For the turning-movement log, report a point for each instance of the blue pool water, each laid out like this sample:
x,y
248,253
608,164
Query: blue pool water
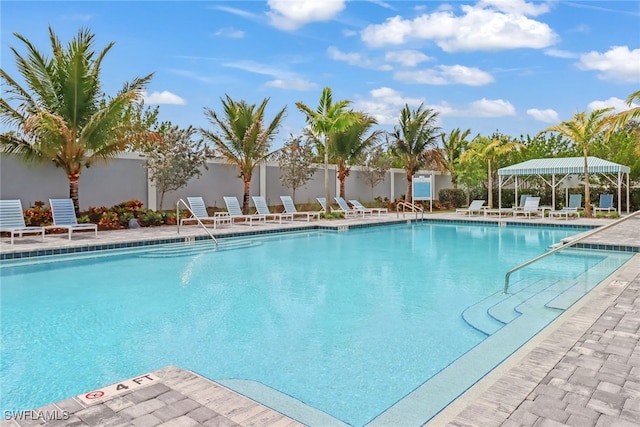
x,y
347,323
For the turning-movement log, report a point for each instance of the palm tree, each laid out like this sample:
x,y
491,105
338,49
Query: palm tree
x,y
415,134
626,116
489,150
349,144
328,118
61,114
583,131
448,157
242,140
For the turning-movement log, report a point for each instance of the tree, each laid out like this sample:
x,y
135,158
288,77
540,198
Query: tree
x,y
295,160
61,114
347,146
448,156
489,150
415,134
621,119
584,130
376,163
328,118
241,138
176,159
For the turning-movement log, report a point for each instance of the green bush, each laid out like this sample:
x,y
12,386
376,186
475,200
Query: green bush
x,y
147,218
452,198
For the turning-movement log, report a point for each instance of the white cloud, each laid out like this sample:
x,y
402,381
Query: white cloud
x,y
618,63
618,105
229,33
445,75
491,108
291,84
408,57
78,17
384,104
290,15
283,79
546,116
164,97
489,25
558,53
357,59
237,12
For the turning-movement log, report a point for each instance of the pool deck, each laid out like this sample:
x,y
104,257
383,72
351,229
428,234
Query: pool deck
x,y
582,370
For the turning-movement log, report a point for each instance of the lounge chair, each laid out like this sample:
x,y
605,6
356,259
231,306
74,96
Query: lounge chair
x,y
290,208
12,220
263,209
575,201
523,200
64,216
565,212
199,210
233,207
362,207
606,203
475,206
531,207
346,209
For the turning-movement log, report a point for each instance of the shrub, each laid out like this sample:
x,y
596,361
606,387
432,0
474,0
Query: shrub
x,y
109,221
38,215
147,218
332,215
452,198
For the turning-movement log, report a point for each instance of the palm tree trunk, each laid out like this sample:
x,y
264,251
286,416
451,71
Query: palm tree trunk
x,y
327,194
245,198
587,192
73,190
408,197
490,186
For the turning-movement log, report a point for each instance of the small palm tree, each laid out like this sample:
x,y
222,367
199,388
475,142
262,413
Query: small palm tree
x,y
241,138
583,130
448,156
327,118
414,136
62,115
489,150
349,145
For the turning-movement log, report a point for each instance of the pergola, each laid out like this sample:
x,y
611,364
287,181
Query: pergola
x,y
560,169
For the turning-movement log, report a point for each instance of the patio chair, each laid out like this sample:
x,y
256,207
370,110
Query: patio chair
x,y
523,200
358,205
12,220
263,209
575,201
233,207
346,209
475,206
199,210
64,216
290,208
531,207
606,203
565,212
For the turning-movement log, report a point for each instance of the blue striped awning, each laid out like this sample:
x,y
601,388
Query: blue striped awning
x,y
562,166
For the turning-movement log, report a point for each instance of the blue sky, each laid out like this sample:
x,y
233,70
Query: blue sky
x,y
507,65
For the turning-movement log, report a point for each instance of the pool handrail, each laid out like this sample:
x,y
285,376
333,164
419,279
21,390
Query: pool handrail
x,y
564,246
194,216
414,208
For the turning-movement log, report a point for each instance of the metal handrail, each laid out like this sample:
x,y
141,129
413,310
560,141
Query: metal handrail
x,y
566,245
194,217
414,208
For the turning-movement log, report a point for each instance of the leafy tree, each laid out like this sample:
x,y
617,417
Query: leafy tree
x,y
61,113
295,160
327,118
347,146
241,138
375,165
489,150
415,134
448,156
176,159
620,147
584,130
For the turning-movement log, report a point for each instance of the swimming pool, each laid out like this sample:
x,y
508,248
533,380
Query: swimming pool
x,y
348,323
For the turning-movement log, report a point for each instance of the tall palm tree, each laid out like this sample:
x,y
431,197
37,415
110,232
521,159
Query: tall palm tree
x,y
583,130
448,157
415,134
241,138
626,116
349,144
327,118
61,114
489,150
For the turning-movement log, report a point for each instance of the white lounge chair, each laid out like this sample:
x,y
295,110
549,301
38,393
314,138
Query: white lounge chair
x,y
346,209
531,207
290,208
358,205
263,209
12,220
233,207
564,212
64,216
199,209
475,206
606,203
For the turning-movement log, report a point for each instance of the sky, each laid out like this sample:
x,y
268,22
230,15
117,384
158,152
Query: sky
x,y
510,66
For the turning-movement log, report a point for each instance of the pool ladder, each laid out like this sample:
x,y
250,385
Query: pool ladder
x,y
194,216
409,206
564,246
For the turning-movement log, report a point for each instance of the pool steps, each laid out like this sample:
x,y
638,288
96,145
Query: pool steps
x,y
194,248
